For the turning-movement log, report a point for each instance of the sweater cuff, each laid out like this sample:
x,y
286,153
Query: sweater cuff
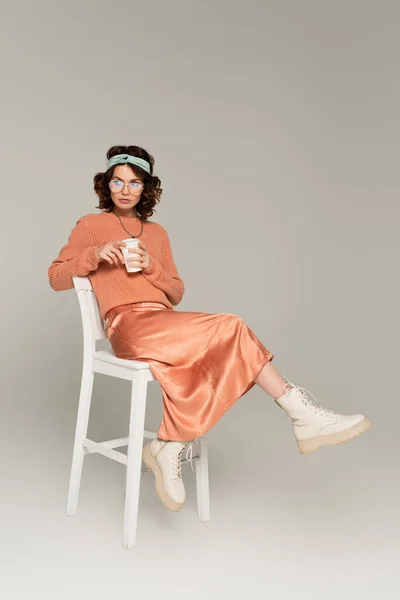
x,y
154,270
90,260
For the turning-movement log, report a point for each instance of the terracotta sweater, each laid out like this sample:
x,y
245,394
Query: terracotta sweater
x,y
113,285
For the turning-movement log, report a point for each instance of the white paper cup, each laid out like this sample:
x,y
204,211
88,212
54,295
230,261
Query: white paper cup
x,y
130,243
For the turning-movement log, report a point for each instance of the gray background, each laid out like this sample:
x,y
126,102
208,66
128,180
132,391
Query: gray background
x,y
275,130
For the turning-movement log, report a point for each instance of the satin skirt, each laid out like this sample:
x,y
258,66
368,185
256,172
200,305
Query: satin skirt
x,y
204,362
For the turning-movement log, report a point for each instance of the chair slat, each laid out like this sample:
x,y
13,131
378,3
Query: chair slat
x,y
93,325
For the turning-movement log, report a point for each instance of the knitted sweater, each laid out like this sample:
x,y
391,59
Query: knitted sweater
x,y
113,285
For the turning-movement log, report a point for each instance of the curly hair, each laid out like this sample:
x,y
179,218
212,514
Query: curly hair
x,y
151,192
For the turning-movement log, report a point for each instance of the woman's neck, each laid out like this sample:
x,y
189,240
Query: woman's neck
x,y
131,213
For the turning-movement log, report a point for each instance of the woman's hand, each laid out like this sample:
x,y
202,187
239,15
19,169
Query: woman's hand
x,y
111,253
142,258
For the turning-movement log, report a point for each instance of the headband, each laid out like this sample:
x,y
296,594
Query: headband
x,y
127,158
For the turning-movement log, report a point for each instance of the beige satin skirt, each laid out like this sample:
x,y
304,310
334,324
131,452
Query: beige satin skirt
x,y
204,362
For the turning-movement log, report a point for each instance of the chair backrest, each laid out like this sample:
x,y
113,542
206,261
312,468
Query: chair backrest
x,y
92,323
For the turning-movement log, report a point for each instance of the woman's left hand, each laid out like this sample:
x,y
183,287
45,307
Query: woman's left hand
x,y
141,259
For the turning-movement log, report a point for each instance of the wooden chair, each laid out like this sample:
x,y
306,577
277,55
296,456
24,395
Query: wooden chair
x,y
105,362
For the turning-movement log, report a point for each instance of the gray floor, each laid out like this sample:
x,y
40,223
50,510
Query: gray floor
x,y
282,524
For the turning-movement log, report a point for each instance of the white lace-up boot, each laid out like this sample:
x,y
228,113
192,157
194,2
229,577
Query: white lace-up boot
x,y
315,426
164,459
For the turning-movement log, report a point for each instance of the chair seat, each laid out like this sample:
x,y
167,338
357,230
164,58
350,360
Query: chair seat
x,y
108,356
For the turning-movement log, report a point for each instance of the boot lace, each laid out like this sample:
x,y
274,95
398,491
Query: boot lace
x,y
177,457
312,404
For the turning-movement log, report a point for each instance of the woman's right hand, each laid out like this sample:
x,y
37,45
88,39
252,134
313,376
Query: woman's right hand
x,y
111,253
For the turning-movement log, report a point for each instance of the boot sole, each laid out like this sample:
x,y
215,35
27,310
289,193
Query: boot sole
x,y
151,464
312,444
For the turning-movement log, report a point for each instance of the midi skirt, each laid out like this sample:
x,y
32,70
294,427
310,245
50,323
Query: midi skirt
x,y
204,362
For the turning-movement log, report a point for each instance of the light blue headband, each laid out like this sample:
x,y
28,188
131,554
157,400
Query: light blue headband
x,y
127,158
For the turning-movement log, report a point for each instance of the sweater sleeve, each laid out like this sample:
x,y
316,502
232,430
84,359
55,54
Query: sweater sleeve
x,y
77,257
164,275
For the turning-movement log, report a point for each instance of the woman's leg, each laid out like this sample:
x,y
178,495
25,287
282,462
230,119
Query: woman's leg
x,y
271,381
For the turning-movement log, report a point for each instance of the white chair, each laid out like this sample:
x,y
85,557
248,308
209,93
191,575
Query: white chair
x,y
105,362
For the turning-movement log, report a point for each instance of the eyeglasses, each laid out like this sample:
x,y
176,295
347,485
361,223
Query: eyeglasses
x,y
116,185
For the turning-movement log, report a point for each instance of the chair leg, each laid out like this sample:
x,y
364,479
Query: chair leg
x,y
202,483
134,463
82,421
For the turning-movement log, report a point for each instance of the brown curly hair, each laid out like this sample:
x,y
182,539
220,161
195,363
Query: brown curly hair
x,y
151,192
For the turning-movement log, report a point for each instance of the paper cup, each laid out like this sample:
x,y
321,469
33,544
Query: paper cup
x,y
130,243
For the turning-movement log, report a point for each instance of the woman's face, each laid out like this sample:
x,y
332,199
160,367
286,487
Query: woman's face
x,y
126,189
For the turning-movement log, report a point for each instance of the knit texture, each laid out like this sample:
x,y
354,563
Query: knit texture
x,y
113,285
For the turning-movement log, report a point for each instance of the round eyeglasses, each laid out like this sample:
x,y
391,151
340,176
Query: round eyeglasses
x,y
116,185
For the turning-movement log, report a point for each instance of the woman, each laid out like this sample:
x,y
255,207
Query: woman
x,y
204,362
